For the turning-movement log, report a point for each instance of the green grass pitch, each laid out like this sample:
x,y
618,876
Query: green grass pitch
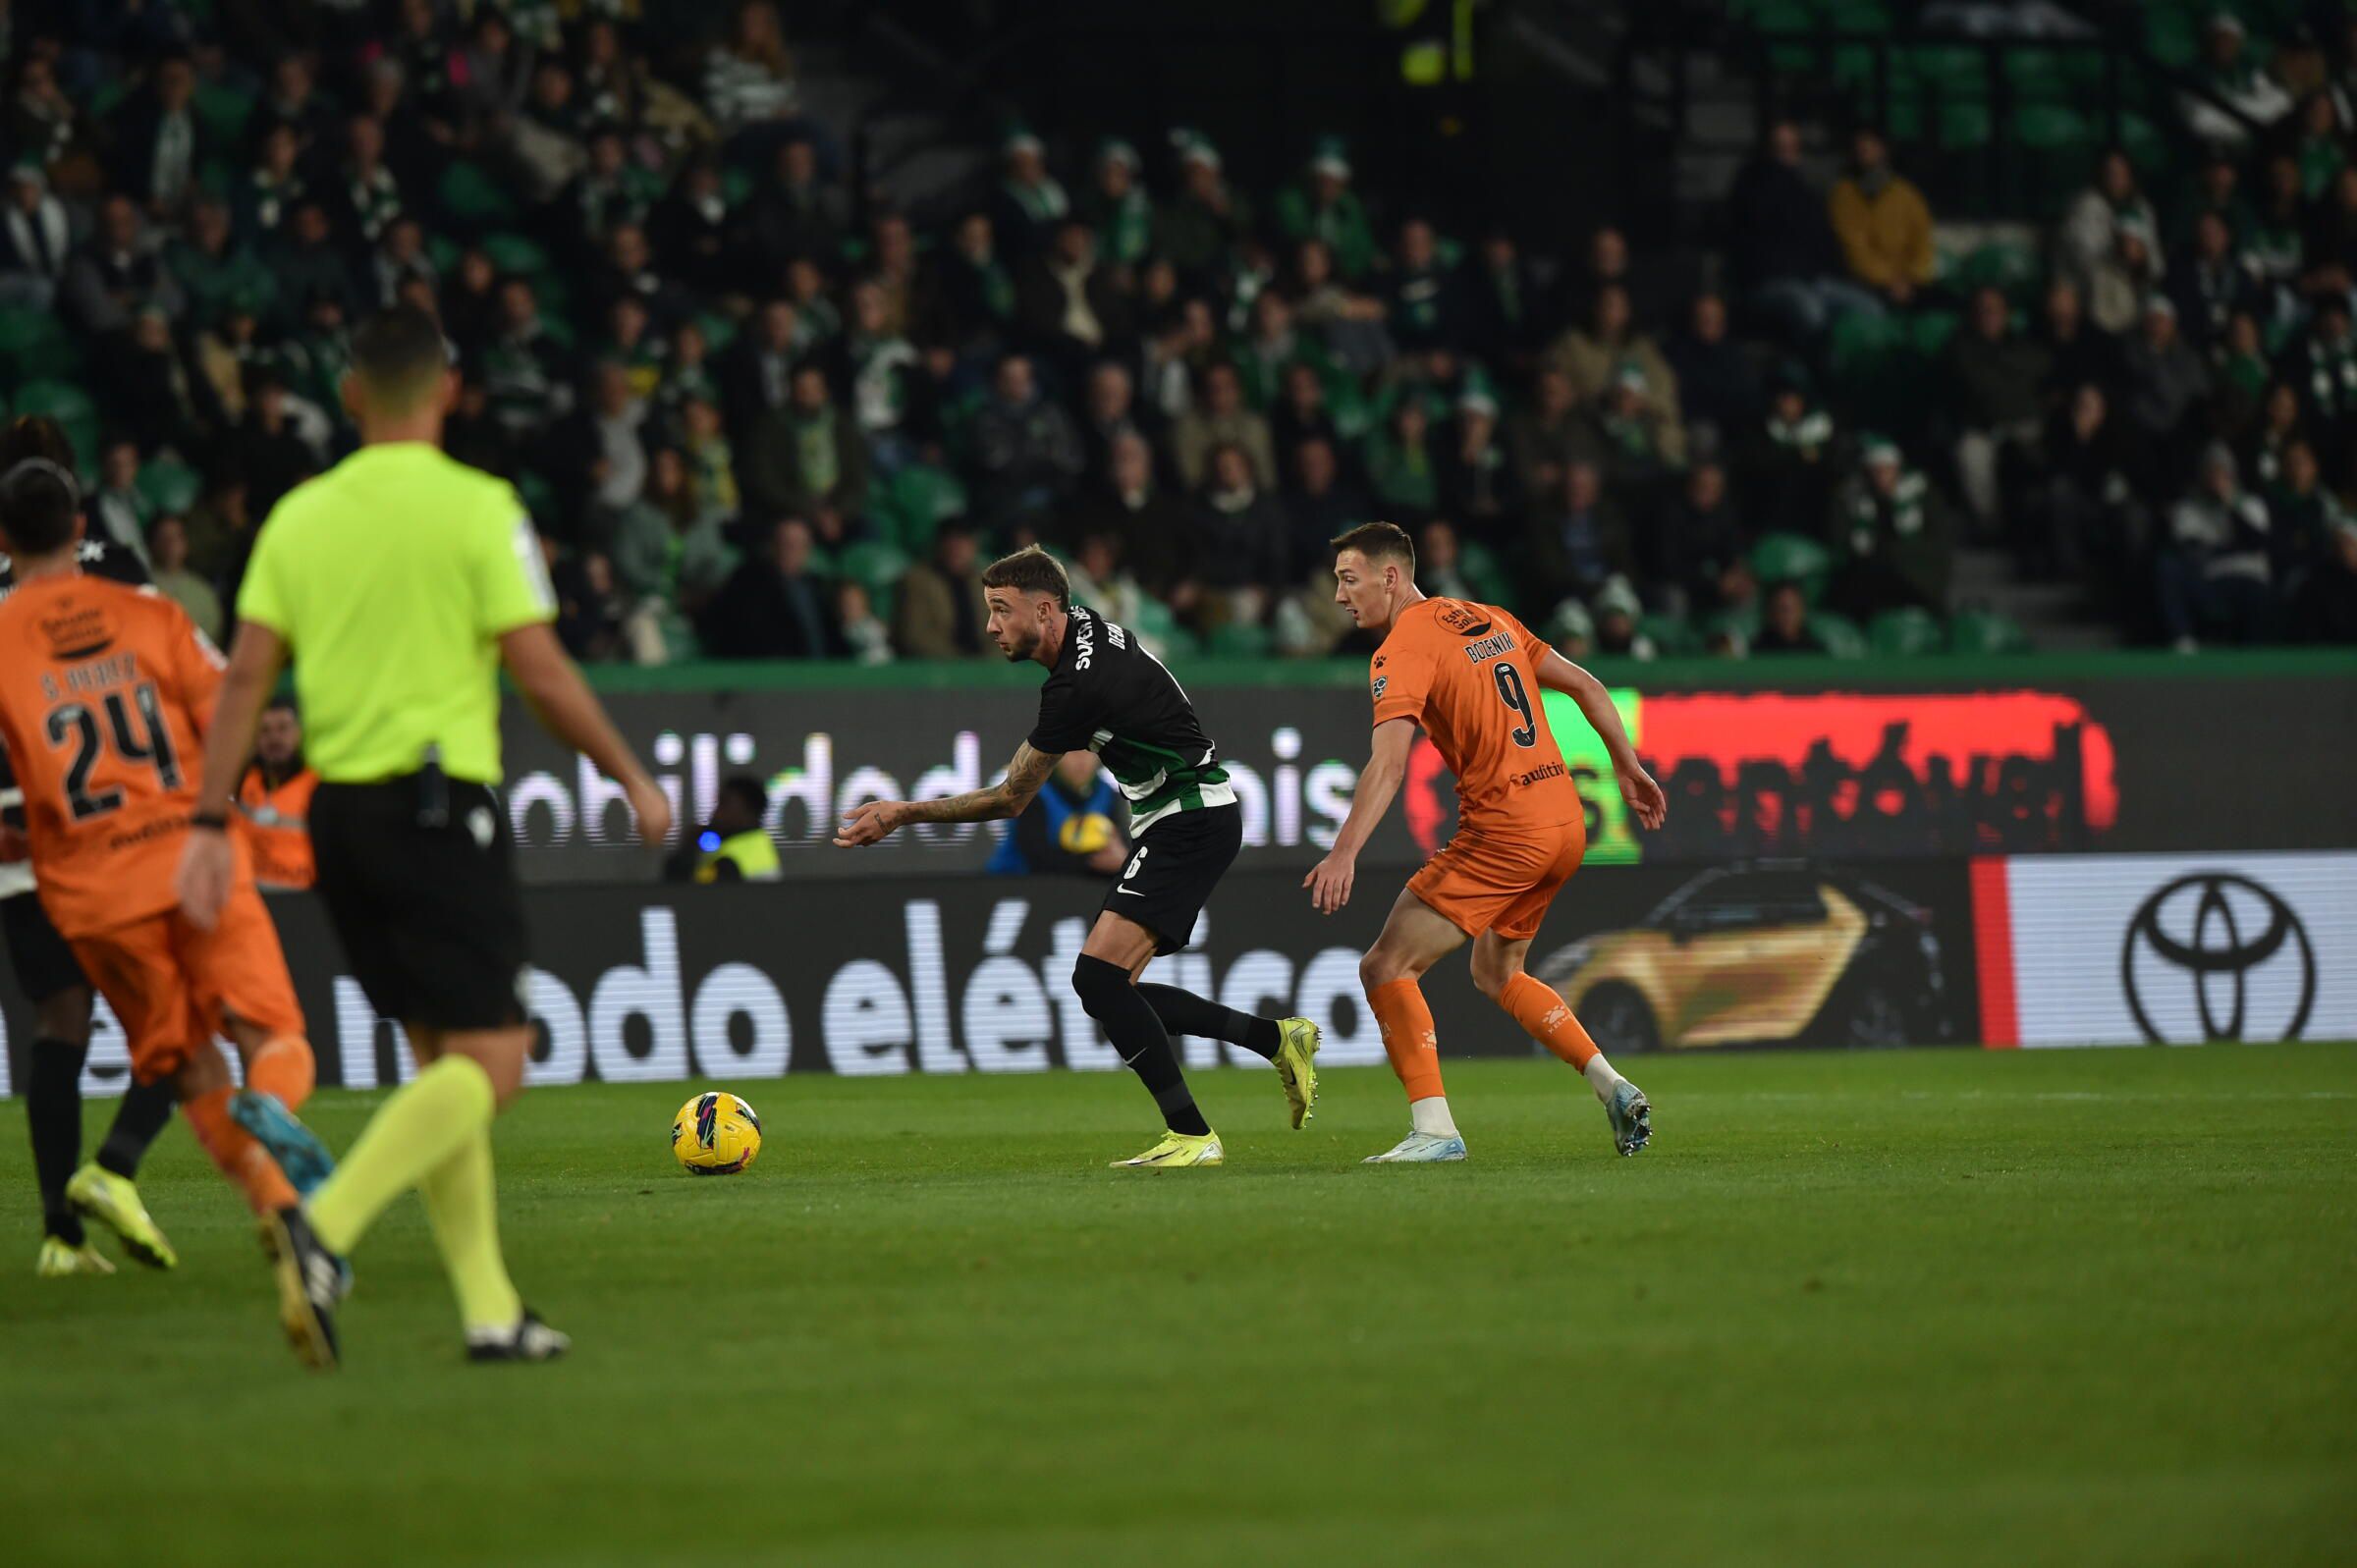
x,y
1912,1308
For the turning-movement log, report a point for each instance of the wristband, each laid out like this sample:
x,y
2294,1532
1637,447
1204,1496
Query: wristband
x,y
215,821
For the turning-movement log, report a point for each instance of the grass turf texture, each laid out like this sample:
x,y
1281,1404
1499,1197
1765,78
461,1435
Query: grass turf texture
x,y
1922,1308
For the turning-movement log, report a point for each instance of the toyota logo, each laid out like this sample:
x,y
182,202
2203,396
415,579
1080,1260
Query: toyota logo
x,y
2219,952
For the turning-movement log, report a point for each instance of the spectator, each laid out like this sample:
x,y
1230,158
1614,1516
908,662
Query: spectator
x,y
274,796
1884,226
1221,418
694,233
2214,574
2242,377
117,273
1154,530
151,394
1785,466
2316,144
1474,480
1785,624
1270,347
117,508
1609,264
399,261
2282,425
1403,469
940,611
1320,504
1070,828
1594,354
1242,542
609,192
36,241
1072,307
1701,547
1641,443
1116,207
687,373
1418,293
2302,515
1030,202
1322,206
630,343
670,557
1782,241
2077,353
2236,94
1997,380
628,271
1578,538
1892,545
864,632
597,456
2330,247
523,368
2087,243
807,459
756,372
1616,609
42,123
1198,229
876,362
2213,284
2325,608
1026,448
1349,322
1549,432
711,460
310,265
971,300
1718,391
2322,364
1102,581
775,605
1302,413
750,88
590,607
369,195
2276,237
266,454
273,186
2119,285
796,214
158,143
1502,302
1109,412
2083,519
2167,382
1440,563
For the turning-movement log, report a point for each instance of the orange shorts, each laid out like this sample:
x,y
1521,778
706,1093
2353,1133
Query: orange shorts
x,y
172,985
1501,880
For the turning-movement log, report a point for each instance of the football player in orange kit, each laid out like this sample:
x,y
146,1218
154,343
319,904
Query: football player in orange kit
x,y
105,692
1471,676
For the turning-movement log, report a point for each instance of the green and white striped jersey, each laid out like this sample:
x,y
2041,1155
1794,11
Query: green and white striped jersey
x,y
1108,695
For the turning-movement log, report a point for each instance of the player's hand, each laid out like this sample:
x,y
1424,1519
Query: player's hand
x,y
652,807
1646,802
207,867
869,824
1329,881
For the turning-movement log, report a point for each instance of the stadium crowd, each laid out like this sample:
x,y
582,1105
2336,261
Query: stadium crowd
x,y
749,426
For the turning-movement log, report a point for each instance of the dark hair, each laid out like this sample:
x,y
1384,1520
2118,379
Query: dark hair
x,y
1379,541
38,503
399,349
35,435
747,792
282,703
1031,569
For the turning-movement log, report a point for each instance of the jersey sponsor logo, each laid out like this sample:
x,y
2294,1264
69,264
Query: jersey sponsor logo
x,y
1460,617
1382,684
1553,770
76,633
1085,641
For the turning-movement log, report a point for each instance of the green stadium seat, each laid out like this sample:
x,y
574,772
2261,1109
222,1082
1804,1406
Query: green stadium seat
x,y
169,486
1930,330
35,346
1487,575
1840,634
912,503
1237,639
223,111
1985,631
473,197
874,565
1777,557
1906,633
515,253
1674,636
2012,268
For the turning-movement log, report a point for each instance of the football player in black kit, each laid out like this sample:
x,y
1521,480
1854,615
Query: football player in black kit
x,y
1106,694
63,1001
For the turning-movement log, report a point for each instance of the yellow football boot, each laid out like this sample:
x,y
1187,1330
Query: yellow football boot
x,y
59,1259
100,1194
1178,1149
1298,1065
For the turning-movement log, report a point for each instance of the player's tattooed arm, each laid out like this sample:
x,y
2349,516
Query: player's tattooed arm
x,y
877,819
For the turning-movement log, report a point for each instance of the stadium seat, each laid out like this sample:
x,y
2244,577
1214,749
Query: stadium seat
x,y
1487,576
36,347
1985,631
515,253
223,111
1780,556
1238,640
910,505
1840,634
1674,636
1906,633
874,565
473,199
169,486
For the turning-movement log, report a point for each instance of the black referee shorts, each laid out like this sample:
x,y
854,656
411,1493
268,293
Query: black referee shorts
x,y
1172,869
43,963
430,917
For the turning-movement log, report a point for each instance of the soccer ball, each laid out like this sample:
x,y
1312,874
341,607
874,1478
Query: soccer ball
x,y
715,1134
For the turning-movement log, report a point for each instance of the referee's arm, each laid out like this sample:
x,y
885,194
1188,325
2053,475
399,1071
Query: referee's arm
x,y
254,662
552,686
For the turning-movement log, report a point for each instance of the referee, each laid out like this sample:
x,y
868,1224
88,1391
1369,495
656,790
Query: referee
x,y
399,583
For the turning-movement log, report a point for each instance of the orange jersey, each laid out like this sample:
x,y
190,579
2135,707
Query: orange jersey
x,y
276,825
104,694
1469,675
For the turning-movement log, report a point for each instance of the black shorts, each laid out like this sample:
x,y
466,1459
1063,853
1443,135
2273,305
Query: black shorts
x,y
1172,870
430,917
43,963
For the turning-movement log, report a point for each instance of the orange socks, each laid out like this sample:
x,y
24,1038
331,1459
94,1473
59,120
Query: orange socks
x,y
233,1148
1538,1010
284,1066
1408,1037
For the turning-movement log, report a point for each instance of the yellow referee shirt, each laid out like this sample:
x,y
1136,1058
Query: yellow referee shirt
x,y
391,577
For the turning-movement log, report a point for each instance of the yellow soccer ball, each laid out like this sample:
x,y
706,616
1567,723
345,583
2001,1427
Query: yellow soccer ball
x,y
1086,832
715,1134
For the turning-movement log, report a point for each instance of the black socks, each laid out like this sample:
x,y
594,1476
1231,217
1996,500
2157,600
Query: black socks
x,y
1131,1023
53,1116
1182,1012
141,1113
